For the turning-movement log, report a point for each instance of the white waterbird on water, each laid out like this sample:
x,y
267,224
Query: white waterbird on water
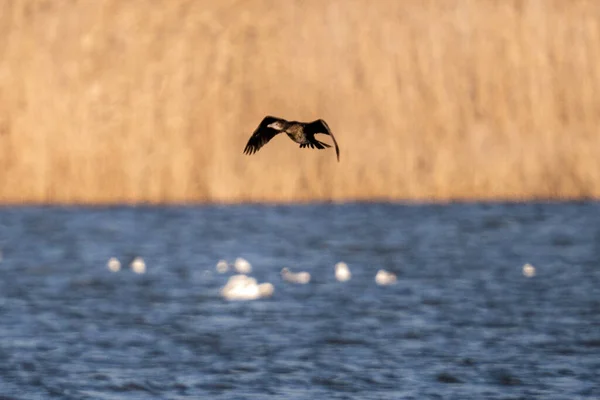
x,y
295,277
114,264
529,270
222,266
242,266
243,287
384,278
342,272
138,265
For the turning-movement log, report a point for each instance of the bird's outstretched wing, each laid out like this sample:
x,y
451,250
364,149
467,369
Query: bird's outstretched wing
x,y
320,126
262,134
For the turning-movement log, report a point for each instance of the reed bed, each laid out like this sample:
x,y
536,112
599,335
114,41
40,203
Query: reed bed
x,y
148,101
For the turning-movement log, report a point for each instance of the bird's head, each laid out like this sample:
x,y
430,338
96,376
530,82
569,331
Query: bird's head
x,y
277,125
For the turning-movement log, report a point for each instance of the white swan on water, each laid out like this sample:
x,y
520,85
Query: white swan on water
x,y
528,270
242,266
114,264
384,278
222,266
342,272
301,278
138,265
243,287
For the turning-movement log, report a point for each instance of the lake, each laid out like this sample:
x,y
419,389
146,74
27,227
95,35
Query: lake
x,y
461,322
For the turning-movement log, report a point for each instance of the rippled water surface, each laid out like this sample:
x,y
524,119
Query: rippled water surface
x,y
462,322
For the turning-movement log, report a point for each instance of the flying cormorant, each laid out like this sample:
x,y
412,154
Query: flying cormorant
x,y
299,132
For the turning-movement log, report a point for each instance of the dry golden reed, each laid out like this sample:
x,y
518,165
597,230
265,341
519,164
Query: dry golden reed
x,y
153,101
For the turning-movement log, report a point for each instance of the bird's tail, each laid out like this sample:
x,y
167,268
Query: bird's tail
x,y
323,145
315,144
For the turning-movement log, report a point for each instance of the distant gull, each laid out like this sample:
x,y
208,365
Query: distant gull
x,y
138,265
242,266
342,272
222,266
243,287
384,278
529,270
300,132
114,264
295,277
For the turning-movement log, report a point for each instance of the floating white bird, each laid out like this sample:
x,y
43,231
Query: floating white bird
x,y
295,277
113,264
242,266
529,270
384,278
222,266
242,287
342,272
138,265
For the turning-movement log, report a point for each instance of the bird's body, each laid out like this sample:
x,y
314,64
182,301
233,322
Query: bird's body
x,y
384,278
295,277
114,264
242,287
242,266
342,272
138,265
295,131
302,133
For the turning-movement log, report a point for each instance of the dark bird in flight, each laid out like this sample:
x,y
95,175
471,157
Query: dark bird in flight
x,y
299,132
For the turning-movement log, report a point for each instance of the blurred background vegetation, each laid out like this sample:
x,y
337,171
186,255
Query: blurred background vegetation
x,y
153,101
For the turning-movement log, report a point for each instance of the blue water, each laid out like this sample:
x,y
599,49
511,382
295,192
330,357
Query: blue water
x,y
462,322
